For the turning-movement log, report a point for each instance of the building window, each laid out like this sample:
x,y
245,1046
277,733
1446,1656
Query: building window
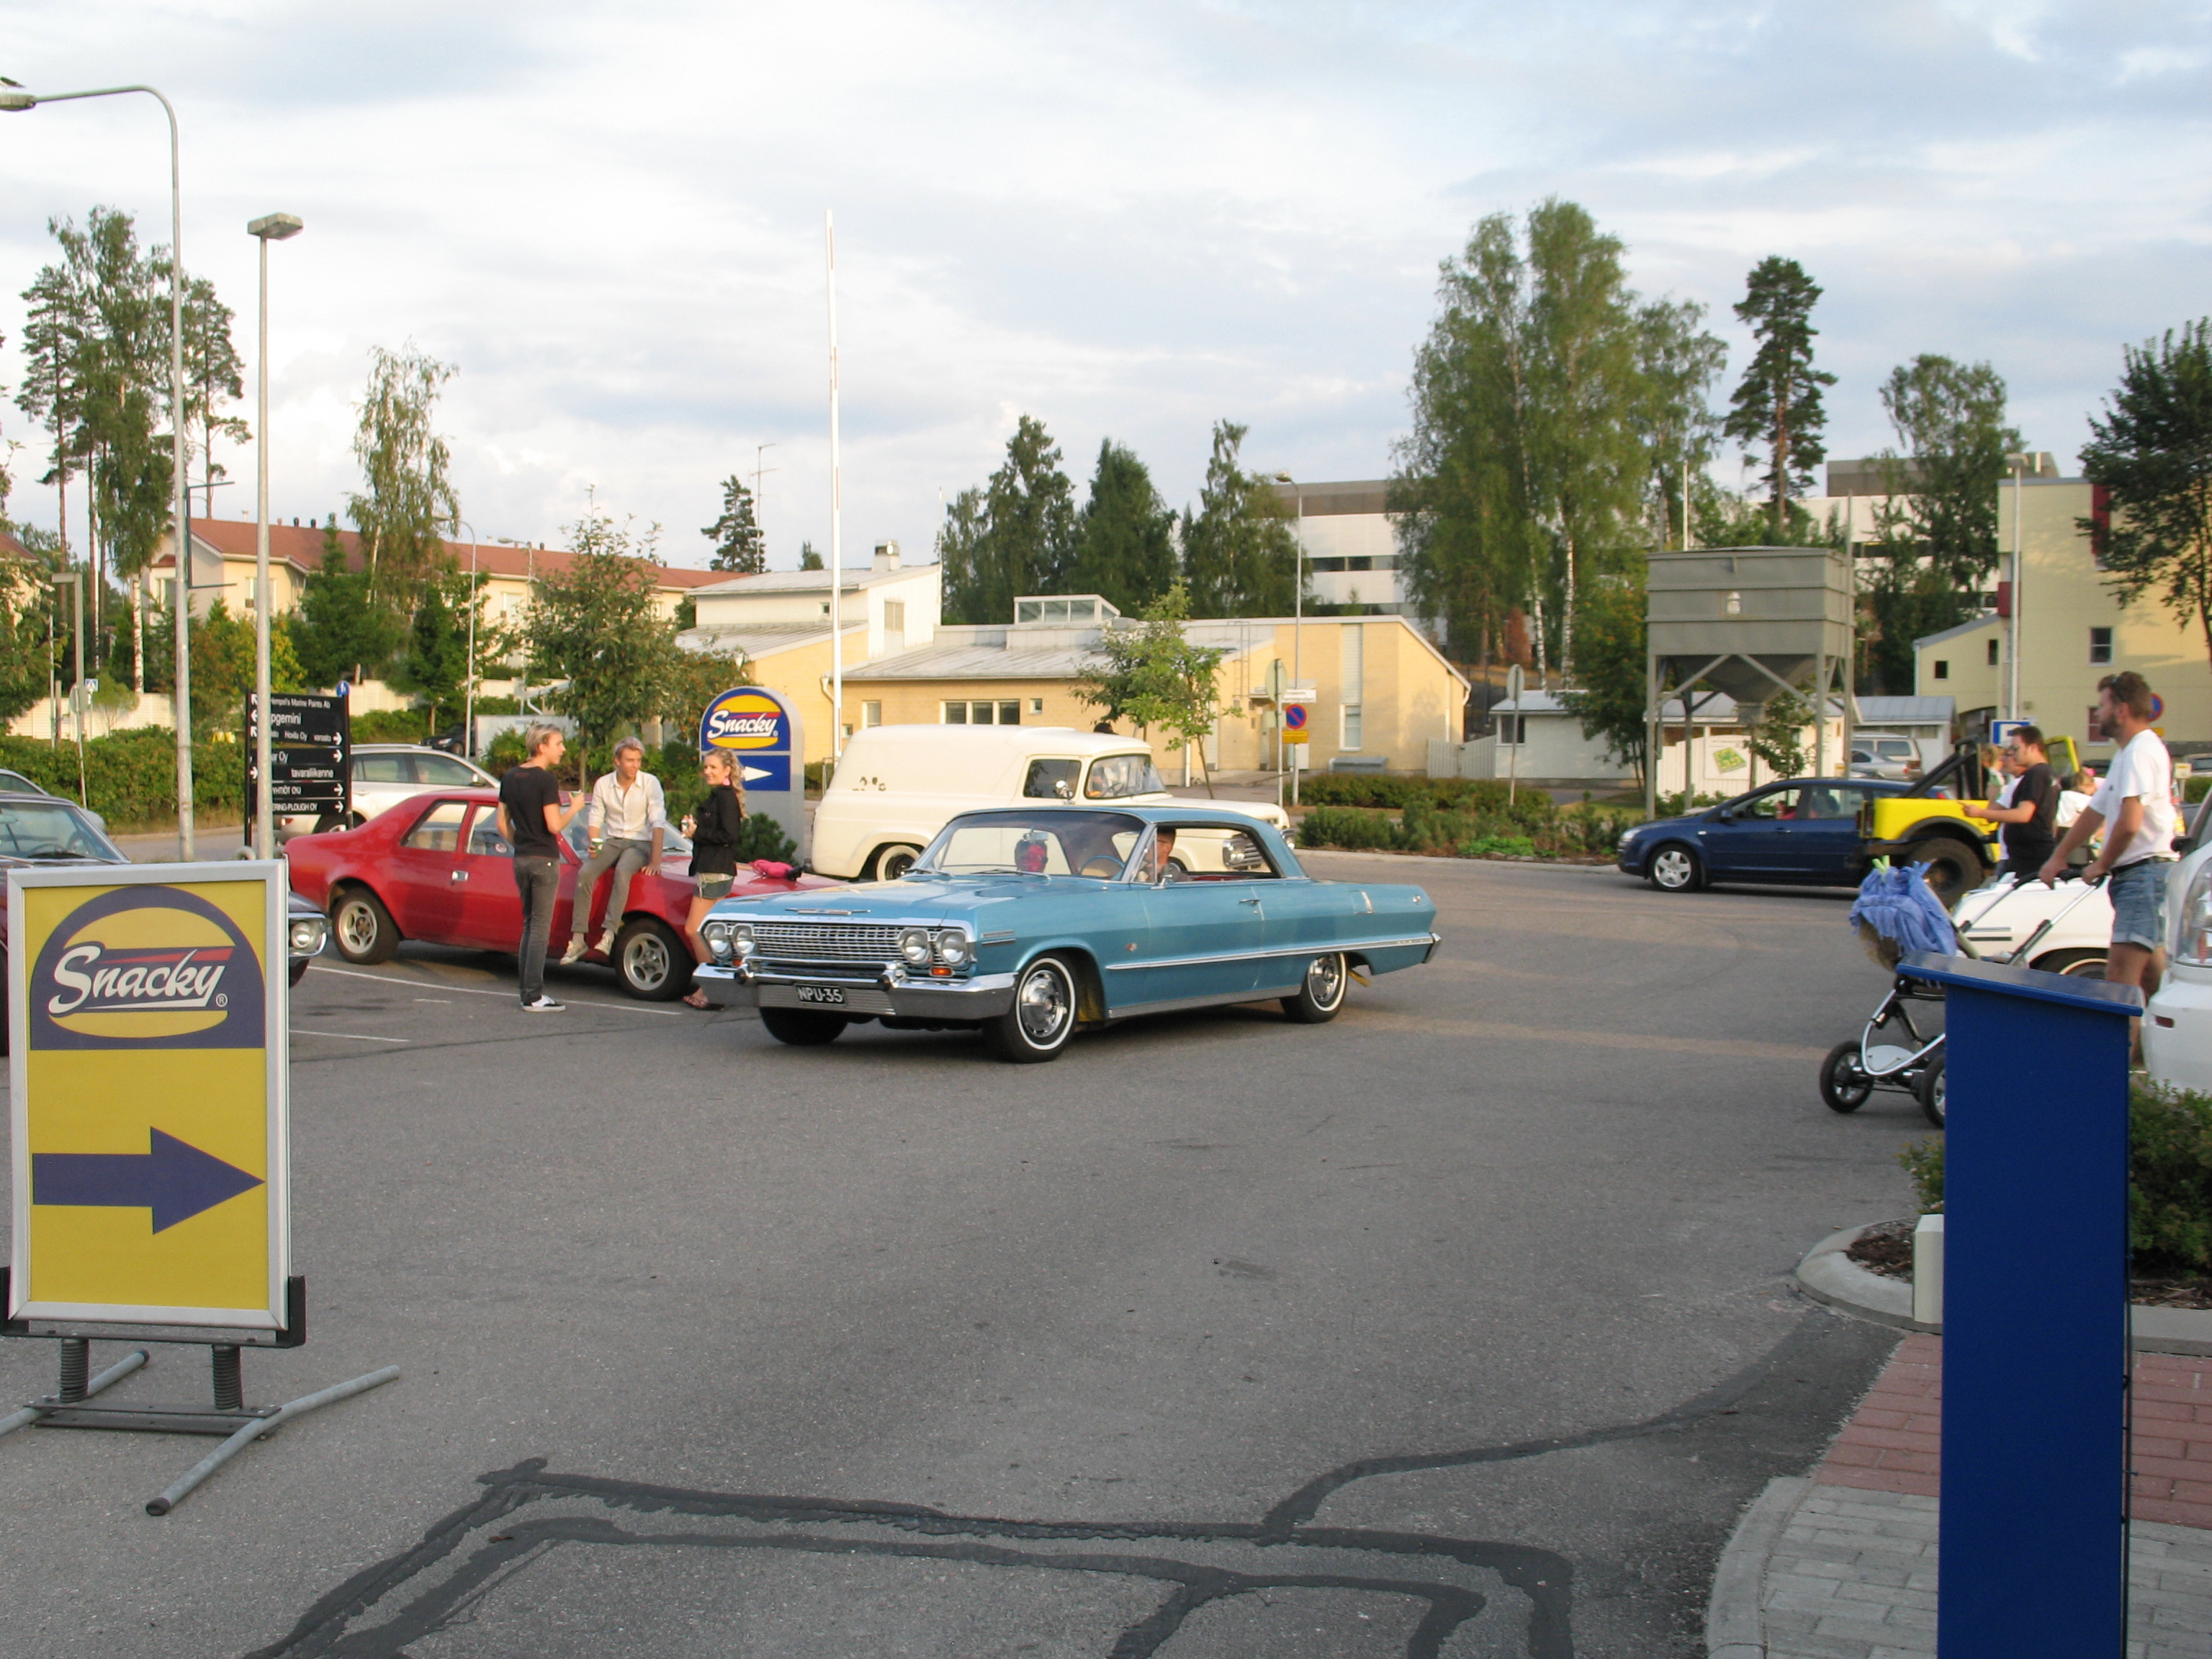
x,y
894,625
1512,729
2100,645
984,714
871,714
1036,705
1993,650
1351,726
1942,669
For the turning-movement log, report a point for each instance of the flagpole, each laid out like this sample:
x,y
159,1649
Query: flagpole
x,y
836,515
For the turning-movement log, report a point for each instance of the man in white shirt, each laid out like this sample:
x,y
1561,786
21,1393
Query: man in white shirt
x,y
628,816
2134,805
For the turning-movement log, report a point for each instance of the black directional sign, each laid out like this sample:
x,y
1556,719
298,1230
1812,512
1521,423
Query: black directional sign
x,y
310,754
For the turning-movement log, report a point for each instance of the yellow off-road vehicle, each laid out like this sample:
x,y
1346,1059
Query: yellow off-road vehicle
x,y
1927,824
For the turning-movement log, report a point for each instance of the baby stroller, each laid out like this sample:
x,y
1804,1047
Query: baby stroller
x,y
1896,912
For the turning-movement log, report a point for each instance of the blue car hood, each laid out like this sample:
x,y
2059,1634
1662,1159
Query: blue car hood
x,y
913,897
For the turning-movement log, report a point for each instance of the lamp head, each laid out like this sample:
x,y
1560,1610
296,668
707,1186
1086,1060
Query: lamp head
x,y
276,227
13,97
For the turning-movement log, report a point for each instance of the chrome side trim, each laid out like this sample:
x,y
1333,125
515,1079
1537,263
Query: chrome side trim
x,y
1325,947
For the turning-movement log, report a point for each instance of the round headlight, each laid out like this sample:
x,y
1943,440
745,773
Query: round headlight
x,y
741,939
306,937
952,949
914,945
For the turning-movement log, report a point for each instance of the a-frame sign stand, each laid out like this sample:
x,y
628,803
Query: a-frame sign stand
x,y
150,1068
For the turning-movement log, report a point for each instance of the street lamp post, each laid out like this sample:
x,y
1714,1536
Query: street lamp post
x,y
2020,464
271,227
469,692
1297,615
14,100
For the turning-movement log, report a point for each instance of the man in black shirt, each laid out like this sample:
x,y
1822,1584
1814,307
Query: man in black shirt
x,y
532,819
2030,818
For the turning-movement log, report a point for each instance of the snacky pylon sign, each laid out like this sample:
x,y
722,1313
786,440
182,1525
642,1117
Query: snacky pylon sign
x,y
148,1072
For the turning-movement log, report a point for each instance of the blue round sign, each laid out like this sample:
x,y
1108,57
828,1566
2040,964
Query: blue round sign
x,y
1294,717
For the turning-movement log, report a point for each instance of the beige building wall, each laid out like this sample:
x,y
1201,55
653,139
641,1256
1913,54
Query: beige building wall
x,y
1405,692
799,673
2063,597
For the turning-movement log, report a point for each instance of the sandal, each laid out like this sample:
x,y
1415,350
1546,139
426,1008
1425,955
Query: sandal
x,y
698,1000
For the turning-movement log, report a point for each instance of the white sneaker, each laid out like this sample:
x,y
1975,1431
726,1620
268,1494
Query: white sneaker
x,y
541,1005
574,952
607,944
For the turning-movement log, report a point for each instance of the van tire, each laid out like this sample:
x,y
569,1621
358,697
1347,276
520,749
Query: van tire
x,y
891,862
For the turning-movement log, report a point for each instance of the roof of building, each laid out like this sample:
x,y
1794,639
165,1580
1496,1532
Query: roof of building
x,y
972,659
1907,711
1972,626
301,547
751,639
1339,499
723,584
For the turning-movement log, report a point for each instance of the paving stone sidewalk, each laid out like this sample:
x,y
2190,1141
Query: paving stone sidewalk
x,y
1850,1568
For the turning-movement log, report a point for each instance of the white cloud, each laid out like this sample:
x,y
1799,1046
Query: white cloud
x,y
1129,220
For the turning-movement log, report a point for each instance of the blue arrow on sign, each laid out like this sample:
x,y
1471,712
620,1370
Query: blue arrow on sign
x,y
175,1181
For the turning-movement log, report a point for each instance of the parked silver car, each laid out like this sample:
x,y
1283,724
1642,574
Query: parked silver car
x,y
1885,758
385,774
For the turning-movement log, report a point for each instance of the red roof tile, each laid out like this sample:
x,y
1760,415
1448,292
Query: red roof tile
x,y
301,546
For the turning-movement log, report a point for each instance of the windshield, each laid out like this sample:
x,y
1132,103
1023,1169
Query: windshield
x,y
52,830
1039,843
1117,777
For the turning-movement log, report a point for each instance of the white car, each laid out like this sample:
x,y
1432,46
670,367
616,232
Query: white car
x,y
896,785
2177,1027
385,774
1998,919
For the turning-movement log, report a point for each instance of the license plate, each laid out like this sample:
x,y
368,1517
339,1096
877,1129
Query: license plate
x,y
830,994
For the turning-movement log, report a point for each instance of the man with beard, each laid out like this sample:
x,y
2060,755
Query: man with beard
x,y
2134,806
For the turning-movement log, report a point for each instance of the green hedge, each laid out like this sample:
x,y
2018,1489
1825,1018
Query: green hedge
x,y
2195,789
1397,794
1534,825
131,776
2169,1184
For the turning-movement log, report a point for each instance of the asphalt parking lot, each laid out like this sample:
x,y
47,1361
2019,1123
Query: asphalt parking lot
x,y
1459,1326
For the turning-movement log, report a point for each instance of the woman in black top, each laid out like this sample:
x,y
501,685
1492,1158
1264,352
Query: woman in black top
x,y
714,834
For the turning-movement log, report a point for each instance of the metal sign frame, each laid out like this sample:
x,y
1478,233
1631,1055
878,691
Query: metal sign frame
x,y
261,1326
787,806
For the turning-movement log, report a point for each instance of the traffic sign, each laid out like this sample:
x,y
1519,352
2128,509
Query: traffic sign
x,y
1300,694
1294,723
149,1083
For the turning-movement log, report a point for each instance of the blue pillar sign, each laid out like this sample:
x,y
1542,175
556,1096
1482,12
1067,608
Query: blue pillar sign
x,y
2035,1291
766,741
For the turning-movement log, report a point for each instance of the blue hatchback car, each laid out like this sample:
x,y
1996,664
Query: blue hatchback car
x,y
1804,832
1028,923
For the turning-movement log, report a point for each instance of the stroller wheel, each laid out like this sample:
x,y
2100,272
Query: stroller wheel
x,y
1929,1089
1843,1086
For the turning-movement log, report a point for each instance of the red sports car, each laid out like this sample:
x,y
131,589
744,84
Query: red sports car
x,y
435,868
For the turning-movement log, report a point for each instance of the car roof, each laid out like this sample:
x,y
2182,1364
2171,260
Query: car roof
x,y
406,749
1178,814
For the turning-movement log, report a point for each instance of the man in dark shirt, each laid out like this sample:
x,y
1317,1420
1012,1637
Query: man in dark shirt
x,y
2030,817
532,819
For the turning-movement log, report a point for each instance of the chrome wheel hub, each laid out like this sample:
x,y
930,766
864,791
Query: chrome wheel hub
x,y
645,962
1043,1006
1325,980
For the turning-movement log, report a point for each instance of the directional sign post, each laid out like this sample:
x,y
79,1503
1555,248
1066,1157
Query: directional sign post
x,y
310,755
765,738
150,1071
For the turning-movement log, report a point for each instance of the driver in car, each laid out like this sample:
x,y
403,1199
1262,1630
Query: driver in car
x,y
1158,869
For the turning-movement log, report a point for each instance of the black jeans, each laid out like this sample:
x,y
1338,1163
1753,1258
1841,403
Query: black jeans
x,y
539,880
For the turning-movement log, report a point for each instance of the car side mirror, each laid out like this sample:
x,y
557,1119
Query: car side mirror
x,y
1725,816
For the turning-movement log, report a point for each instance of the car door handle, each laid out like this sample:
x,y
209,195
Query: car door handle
x,y
1248,900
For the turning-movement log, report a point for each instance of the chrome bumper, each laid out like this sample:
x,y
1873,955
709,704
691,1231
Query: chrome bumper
x,y
891,994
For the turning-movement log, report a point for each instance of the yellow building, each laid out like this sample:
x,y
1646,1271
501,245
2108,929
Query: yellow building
x,y
2072,630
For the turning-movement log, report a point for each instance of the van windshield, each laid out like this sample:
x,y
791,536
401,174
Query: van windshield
x,y
1117,777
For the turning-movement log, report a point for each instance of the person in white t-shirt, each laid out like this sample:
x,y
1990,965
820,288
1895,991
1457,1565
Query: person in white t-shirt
x,y
2134,805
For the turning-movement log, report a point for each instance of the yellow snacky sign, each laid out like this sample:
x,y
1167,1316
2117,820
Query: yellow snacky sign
x,y
146,1116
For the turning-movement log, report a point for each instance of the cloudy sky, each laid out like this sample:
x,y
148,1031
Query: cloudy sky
x,y
1129,220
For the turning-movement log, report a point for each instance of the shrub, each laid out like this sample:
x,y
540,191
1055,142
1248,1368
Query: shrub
x,y
2196,788
2169,1179
130,775
1485,846
762,837
1346,826
392,725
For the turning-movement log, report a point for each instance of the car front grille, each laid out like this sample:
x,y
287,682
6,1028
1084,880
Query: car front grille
x,y
826,942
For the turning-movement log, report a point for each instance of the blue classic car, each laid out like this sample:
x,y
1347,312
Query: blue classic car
x,y
1028,923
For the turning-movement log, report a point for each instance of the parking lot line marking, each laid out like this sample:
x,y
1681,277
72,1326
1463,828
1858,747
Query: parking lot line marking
x,y
470,990
350,1037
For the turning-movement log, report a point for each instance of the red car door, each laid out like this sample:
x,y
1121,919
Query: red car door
x,y
422,881
490,907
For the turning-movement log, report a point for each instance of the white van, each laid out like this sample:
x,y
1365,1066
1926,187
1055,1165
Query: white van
x,y
897,785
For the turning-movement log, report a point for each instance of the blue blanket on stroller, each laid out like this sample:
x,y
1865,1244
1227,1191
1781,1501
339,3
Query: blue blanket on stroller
x,y
1898,905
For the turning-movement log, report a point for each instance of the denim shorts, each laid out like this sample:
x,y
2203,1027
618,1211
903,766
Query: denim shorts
x,y
716,886
2138,894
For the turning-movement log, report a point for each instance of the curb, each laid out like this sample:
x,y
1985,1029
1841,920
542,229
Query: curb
x,y
1438,858
1829,1276
1735,1626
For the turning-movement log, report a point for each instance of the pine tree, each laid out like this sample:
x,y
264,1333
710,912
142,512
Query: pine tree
x,y
1776,412
342,630
808,558
1239,553
1125,535
1015,536
738,546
